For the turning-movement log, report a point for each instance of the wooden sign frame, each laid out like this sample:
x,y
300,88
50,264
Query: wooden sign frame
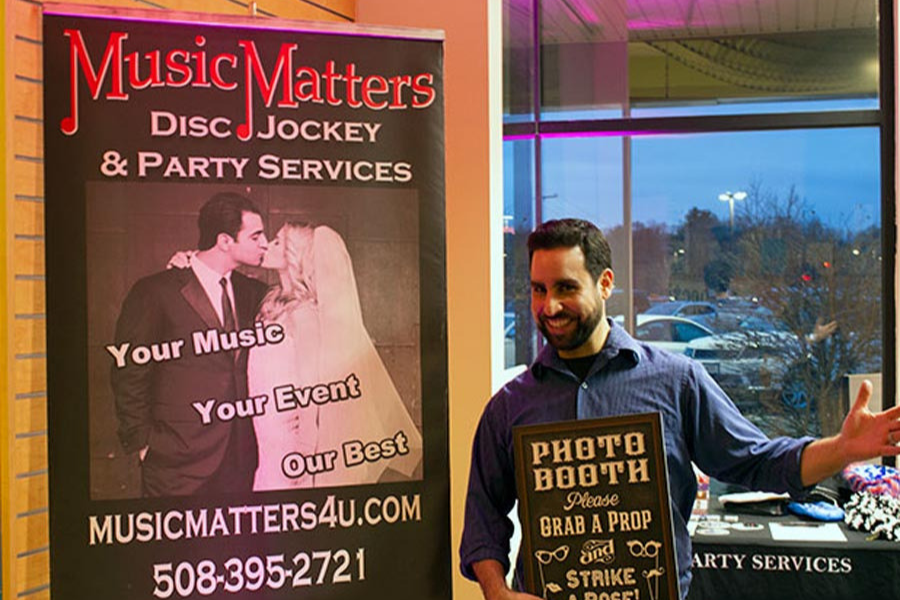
x,y
595,510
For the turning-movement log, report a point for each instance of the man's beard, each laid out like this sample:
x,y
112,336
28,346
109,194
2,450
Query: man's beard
x,y
584,329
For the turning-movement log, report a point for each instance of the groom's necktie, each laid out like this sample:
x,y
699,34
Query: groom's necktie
x,y
227,312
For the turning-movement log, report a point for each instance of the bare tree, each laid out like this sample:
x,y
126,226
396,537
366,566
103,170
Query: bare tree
x,y
811,274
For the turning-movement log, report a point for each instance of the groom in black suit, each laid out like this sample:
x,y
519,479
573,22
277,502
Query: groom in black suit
x,y
179,454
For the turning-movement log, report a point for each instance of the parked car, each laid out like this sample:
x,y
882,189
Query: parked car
x,y
705,313
683,308
723,315
748,360
509,338
671,333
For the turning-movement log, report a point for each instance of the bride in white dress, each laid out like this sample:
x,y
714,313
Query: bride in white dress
x,y
326,341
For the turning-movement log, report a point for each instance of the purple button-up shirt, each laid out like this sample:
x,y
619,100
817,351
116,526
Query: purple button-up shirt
x,y
628,377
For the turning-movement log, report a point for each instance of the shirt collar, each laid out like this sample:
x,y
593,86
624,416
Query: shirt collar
x,y
206,275
620,349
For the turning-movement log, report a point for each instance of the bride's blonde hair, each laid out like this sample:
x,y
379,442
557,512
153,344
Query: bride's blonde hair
x,y
298,286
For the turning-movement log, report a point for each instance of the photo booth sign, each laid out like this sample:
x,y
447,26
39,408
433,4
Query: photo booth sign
x,y
594,508
246,306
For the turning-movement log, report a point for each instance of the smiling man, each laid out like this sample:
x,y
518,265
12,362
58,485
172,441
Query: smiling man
x,y
592,368
567,301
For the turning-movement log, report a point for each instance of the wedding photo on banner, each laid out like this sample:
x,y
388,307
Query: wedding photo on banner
x,y
246,306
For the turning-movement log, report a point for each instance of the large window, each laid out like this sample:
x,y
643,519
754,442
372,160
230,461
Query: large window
x,y
732,153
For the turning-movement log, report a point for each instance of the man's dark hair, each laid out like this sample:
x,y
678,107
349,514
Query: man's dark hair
x,y
569,233
223,213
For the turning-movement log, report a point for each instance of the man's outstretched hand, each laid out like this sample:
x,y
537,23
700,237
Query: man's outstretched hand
x,y
864,435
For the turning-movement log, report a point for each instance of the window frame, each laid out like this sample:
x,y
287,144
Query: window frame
x,y
536,129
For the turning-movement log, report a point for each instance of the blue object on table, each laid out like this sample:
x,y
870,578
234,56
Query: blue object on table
x,y
819,511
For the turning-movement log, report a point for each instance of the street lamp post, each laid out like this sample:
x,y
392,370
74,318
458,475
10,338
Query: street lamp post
x,y
730,197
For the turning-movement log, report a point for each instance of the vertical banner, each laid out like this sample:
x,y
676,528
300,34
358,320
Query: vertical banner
x,y
246,306
594,507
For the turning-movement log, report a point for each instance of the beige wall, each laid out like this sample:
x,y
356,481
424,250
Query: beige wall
x,y
473,137
23,401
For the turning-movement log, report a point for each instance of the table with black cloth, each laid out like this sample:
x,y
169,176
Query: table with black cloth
x,y
750,565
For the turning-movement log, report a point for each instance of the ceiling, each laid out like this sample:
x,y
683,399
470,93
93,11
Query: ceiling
x,y
573,21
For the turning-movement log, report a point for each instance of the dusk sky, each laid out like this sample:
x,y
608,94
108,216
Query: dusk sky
x,y
836,171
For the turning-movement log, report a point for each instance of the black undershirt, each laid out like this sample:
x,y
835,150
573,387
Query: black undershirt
x,y
581,366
